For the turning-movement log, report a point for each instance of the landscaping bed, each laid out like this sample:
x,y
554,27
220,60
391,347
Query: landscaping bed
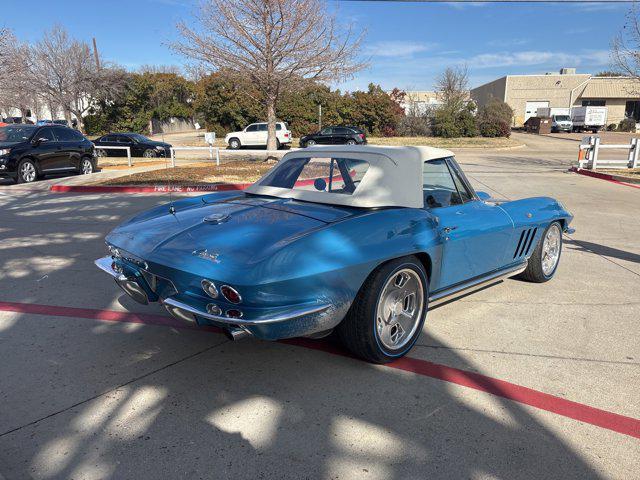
x,y
203,173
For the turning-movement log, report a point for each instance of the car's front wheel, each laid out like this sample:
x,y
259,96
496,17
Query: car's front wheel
x,y
544,260
27,171
310,143
234,144
150,153
387,316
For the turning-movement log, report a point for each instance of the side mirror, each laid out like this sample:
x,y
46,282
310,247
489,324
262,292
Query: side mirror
x,y
483,196
38,141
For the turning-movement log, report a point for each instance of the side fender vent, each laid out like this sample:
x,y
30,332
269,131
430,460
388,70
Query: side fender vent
x,y
525,242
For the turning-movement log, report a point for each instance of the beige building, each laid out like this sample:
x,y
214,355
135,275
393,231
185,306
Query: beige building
x,y
419,102
526,93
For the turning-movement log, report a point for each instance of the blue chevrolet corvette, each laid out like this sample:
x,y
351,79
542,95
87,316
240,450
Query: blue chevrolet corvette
x,y
358,239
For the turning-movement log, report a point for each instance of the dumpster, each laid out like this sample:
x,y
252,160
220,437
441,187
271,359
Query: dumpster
x,y
539,125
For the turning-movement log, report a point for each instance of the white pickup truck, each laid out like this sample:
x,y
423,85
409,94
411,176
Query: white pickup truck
x,y
256,135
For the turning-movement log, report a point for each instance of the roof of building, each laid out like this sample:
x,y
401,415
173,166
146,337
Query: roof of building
x,y
393,177
611,87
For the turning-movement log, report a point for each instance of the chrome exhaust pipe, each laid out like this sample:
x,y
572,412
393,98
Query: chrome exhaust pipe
x,y
133,289
236,333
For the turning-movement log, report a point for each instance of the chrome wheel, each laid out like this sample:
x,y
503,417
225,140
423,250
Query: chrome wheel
x,y
311,143
551,249
28,172
400,309
87,166
351,142
150,153
101,153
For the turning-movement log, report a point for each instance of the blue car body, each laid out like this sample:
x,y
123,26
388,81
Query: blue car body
x,y
298,265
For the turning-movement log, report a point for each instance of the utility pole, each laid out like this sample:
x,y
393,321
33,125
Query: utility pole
x,y
319,117
95,53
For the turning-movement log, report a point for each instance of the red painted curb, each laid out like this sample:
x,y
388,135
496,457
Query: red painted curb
x,y
511,391
155,189
601,176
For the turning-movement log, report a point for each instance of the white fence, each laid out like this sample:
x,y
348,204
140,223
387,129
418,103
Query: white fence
x,y
128,149
214,152
591,149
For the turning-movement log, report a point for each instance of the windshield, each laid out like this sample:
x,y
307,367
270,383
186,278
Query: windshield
x,y
138,138
562,118
318,174
16,134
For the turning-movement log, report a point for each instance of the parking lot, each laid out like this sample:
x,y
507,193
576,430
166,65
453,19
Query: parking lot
x,y
92,390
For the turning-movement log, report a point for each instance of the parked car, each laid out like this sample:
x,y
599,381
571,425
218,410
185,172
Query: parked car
x,y
29,151
335,136
140,146
362,239
255,135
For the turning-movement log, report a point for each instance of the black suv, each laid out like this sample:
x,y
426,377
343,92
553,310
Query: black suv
x,y
140,146
28,152
335,136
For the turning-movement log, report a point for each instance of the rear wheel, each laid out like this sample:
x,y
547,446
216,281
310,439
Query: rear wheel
x,y
101,152
86,166
27,171
387,316
351,141
544,260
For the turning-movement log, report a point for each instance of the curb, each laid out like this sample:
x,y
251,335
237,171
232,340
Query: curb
x,y
150,189
605,176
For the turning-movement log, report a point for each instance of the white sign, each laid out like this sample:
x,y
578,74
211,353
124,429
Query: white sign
x,y
210,137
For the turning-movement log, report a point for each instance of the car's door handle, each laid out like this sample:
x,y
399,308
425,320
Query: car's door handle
x,y
448,229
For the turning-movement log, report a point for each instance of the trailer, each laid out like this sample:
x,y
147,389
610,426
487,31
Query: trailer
x,y
588,118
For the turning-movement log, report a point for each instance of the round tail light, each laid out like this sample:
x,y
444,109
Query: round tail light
x,y
231,294
209,288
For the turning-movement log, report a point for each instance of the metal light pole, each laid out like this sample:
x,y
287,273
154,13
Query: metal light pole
x,y
319,117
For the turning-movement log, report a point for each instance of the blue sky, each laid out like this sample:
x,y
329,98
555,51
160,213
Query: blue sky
x,y
407,44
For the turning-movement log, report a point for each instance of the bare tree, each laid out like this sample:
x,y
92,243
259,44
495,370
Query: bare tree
x,y
15,85
453,87
65,73
274,43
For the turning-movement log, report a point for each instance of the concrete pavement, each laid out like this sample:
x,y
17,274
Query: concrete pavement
x,y
85,398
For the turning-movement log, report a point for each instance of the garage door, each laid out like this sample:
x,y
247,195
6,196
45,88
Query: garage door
x,y
531,109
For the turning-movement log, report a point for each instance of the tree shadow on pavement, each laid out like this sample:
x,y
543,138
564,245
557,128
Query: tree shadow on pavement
x,y
90,399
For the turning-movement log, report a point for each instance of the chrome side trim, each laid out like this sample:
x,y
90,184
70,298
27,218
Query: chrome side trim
x,y
467,287
104,264
240,321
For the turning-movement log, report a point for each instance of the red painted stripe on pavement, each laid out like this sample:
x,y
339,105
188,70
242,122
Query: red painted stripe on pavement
x,y
153,189
104,315
602,176
511,391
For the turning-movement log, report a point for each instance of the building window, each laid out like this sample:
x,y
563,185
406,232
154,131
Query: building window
x,y
632,110
593,103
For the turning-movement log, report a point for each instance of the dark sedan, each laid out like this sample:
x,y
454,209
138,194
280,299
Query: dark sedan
x,y
29,151
335,136
140,146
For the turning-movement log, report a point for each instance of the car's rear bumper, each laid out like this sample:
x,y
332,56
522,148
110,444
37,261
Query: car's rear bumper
x,y
270,323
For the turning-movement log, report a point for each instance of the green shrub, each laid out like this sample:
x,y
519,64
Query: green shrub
x,y
627,125
448,123
494,128
612,127
494,119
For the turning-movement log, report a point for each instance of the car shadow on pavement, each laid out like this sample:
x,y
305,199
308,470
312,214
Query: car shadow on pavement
x,y
88,399
604,250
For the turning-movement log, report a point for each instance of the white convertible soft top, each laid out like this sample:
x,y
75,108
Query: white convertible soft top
x,y
393,179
